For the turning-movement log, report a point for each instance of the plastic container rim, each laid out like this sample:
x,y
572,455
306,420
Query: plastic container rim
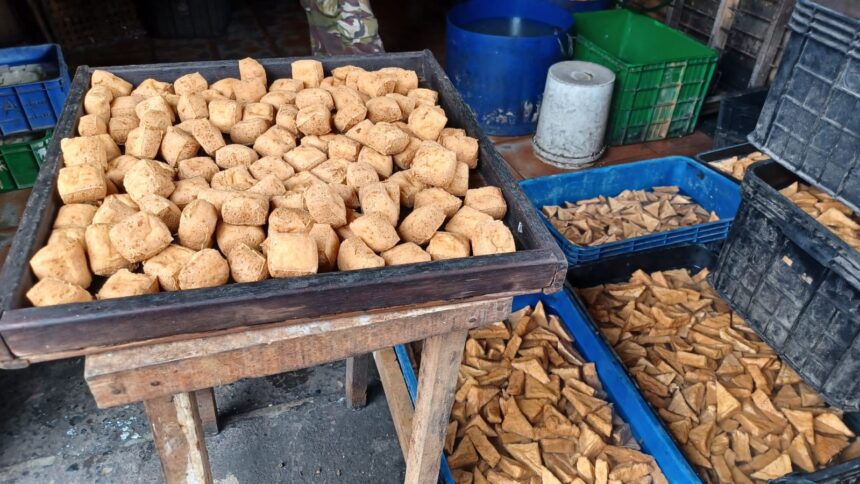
x,y
462,6
61,63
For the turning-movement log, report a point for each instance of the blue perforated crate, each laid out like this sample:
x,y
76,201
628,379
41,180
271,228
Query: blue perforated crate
x,y
704,185
631,406
35,105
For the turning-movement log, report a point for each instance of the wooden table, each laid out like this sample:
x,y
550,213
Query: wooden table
x,y
174,380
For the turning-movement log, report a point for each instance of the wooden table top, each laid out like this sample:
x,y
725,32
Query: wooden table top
x,y
518,152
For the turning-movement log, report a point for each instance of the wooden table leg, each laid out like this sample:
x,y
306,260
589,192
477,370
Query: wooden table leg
x,y
178,436
208,410
437,379
397,396
356,380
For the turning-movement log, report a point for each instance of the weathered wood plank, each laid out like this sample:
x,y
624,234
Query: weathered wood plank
x,y
135,374
770,45
397,396
437,378
356,380
208,410
722,24
178,436
62,355
185,312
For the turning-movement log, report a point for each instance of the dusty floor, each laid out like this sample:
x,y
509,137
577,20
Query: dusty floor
x,y
292,427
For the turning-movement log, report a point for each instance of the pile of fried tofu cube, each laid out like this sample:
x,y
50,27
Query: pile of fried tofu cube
x,y
193,184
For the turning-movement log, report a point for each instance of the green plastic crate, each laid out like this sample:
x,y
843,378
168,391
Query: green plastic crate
x,y
20,161
662,75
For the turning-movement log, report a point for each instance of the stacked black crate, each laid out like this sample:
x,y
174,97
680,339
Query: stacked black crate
x,y
795,281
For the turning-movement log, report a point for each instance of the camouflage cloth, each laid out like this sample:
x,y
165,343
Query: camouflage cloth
x,y
342,27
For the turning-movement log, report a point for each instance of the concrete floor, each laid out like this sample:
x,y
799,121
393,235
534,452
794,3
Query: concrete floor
x,y
292,427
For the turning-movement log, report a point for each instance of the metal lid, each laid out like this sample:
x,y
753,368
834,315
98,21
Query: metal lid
x,y
580,73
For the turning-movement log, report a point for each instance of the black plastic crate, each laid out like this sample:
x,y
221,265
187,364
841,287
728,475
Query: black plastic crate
x,y
809,122
694,258
738,117
711,156
797,285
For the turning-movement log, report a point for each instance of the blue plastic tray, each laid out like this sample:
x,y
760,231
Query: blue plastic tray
x,y
703,184
631,406
33,106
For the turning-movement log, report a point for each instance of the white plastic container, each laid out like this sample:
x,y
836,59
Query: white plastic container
x,y
573,114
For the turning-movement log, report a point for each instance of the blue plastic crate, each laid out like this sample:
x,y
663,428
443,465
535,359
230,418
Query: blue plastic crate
x,y
34,105
704,185
631,406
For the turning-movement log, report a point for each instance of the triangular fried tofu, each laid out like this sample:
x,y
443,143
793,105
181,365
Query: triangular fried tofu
x,y
486,449
826,448
547,477
554,424
527,454
534,389
557,327
679,406
451,436
629,472
494,330
533,368
514,420
777,468
799,454
589,444
557,446
516,383
831,424
492,411
512,468
762,401
741,446
730,366
786,397
680,429
802,422
465,455
478,477
479,422
727,404
531,408
694,396
539,315
786,376
477,397
601,420
700,437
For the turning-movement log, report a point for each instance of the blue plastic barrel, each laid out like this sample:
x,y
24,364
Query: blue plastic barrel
x,y
498,54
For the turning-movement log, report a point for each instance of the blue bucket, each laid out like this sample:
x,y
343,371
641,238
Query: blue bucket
x,y
498,54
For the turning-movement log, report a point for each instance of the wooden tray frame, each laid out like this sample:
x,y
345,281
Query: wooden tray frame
x,y
46,333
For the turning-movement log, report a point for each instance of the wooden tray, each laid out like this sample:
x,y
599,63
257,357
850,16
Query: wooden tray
x,y
60,331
